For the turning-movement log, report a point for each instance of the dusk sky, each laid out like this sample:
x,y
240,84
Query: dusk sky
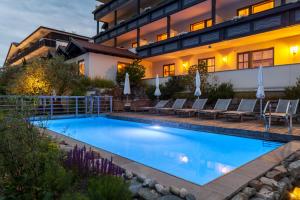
x,y
19,18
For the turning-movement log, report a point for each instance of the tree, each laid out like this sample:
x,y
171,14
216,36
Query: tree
x,y
136,72
190,78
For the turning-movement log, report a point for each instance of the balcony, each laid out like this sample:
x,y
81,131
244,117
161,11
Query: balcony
x,y
35,46
272,19
155,13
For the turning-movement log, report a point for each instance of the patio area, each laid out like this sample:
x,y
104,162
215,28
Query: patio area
x,y
247,128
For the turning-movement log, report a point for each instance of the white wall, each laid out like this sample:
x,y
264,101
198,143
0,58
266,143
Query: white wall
x,y
275,78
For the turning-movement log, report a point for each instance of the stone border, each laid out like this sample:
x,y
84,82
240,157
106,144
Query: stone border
x,y
212,129
221,188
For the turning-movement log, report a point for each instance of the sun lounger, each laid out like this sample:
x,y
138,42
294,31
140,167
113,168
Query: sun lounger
x,y
160,104
246,108
178,104
220,107
286,110
198,105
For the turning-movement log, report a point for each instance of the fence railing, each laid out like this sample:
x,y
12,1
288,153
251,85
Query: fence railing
x,y
57,105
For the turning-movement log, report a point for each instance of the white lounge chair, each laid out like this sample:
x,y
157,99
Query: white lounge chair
x,y
220,107
160,104
178,104
246,108
197,105
285,109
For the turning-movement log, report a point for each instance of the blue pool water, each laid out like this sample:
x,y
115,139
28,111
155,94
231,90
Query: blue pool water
x,y
195,156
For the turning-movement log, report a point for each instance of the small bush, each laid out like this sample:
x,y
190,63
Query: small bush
x,y
108,188
294,91
222,91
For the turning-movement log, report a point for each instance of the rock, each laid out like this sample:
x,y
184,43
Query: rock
x,y
269,182
169,197
128,175
281,168
287,181
291,158
152,183
256,184
282,187
240,196
266,194
161,189
183,192
190,196
146,182
175,190
148,194
294,169
134,188
250,192
274,174
141,178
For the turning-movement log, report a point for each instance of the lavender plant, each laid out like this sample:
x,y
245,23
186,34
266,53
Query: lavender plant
x,y
87,163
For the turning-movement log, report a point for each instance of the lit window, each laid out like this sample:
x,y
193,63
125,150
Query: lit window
x,y
244,12
121,66
201,25
169,70
134,45
263,58
209,63
81,65
255,59
266,5
209,23
243,60
161,37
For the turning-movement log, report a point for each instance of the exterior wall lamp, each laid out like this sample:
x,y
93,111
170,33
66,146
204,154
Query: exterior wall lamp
x,y
225,59
294,50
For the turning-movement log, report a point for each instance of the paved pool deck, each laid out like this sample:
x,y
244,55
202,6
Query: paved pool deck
x,y
247,128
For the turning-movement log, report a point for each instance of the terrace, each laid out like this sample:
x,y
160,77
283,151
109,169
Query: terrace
x,y
184,17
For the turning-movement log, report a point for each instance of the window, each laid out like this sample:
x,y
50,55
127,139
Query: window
x,y
243,60
266,5
169,70
201,25
134,45
255,59
121,65
209,62
161,37
244,12
256,8
263,57
81,65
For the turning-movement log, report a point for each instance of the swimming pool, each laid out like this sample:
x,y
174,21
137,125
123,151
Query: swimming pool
x,y
195,156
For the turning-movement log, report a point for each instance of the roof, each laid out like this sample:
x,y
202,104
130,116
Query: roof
x,y
39,33
86,46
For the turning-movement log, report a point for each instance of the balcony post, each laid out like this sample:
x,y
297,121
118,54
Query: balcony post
x,y
169,26
138,3
283,2
213,11
98,27
116,17
138,37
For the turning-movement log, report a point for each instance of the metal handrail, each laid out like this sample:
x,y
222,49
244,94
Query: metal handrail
x,y
57,105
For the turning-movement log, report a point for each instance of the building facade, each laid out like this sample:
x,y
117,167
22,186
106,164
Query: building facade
x,y
232,37
43,42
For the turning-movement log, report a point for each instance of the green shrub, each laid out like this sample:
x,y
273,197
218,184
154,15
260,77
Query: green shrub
x,y
30,164
222,91
102,83
108,188
294,91
136,72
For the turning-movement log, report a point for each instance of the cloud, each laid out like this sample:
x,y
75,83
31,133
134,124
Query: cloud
x,y
19,18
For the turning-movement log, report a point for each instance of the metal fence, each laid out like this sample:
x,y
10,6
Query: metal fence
x,y
57,105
